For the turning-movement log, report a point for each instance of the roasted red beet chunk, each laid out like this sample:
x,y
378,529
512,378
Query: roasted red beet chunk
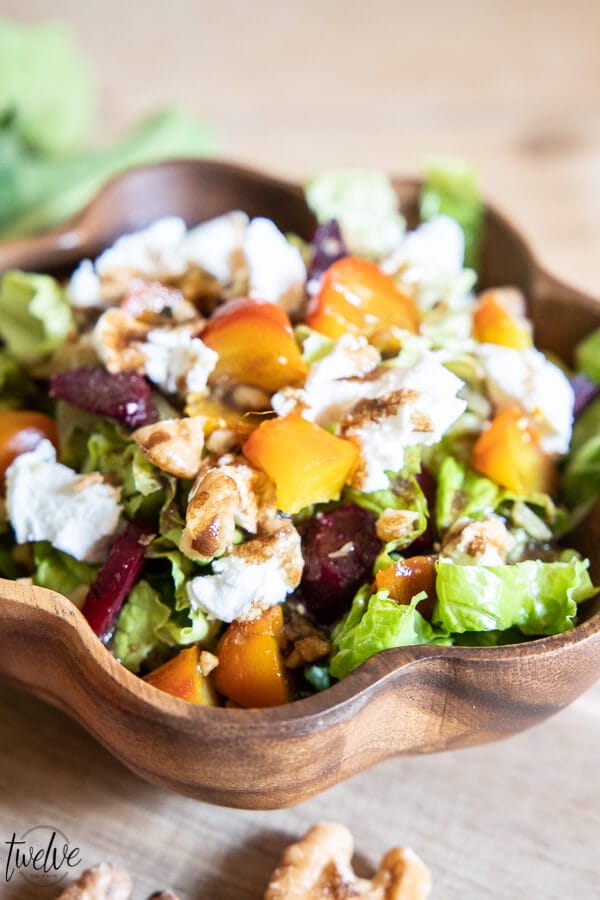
x,y
329,246
116,578
124,396
339,550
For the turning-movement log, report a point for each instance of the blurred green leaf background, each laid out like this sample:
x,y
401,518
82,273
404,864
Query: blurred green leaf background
x,y
49,168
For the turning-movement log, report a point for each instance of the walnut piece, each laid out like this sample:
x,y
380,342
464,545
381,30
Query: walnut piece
x,y
395,524
174,445
308,650
102,882
223,496
207,662
319,868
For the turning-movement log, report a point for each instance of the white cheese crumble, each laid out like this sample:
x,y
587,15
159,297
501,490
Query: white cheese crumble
x,y
527,379
237,587
224,246
84,290
241,587
484,543
153,252
215,245
276,270
47,501
326,395
350,357
418,411
176,361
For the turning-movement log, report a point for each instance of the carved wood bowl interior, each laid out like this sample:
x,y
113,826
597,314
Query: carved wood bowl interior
x,y
405,701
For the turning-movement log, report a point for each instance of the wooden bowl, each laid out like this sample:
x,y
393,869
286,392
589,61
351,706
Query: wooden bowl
x,y
405,701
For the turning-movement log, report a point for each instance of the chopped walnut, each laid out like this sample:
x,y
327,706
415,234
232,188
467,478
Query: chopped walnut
x,y
222,497
174,445
395,524
207,662
319,868
119,339
102,882
307,650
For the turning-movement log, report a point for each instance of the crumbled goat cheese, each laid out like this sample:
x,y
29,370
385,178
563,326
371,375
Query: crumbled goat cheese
x,y
47,501
350,357
255,576
417,411
216,245
276,270
176,361
84,290
527,379
434,248
153,252
484,543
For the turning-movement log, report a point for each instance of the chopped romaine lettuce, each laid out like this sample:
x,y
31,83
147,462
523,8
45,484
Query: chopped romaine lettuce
x,y
16,389
587,356
35,316
582,473
140,620
463,492
364,204
60,572
377,623
9,566
536,597
451,187
152,621
181,569
405,493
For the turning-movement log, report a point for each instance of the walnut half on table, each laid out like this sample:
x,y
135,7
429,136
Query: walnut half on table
x,y
319,867
106,882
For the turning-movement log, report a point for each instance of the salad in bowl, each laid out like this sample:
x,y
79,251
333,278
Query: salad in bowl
x,y
253,461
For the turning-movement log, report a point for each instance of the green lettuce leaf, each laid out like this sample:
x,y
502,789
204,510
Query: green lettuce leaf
x,y
180,569
17,391
140,620
9,566
365,206
463,492
149,625
581,482
42,191
111,453
536,597
451,187
377,623
405,494
587,356
45,85
60,572
35,316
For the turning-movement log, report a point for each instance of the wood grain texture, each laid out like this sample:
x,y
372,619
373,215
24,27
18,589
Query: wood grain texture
x,y
293,88
407,701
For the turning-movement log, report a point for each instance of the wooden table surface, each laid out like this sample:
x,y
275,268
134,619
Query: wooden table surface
x,y
295,88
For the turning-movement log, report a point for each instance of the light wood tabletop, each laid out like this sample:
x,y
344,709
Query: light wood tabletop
x,y
295,88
